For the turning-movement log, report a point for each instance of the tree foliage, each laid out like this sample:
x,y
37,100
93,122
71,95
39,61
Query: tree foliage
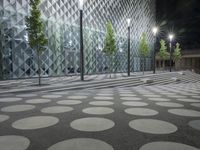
x,y
163,50
144,47
109,42
35,27
177,53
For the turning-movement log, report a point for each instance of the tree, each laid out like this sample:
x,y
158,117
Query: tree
x,y
36,35
143,49
163,51
109,44
89,51
177,53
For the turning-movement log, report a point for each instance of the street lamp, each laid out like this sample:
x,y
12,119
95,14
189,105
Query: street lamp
x,y
155,31
81,41
171,36
129,45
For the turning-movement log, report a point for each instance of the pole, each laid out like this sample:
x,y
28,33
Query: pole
x,y
81,47
154,56
170,60
129,45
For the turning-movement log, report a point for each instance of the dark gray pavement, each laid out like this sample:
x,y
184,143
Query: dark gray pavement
x,y
152,117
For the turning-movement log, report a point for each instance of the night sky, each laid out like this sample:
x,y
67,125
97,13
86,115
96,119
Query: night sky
x,y
182,17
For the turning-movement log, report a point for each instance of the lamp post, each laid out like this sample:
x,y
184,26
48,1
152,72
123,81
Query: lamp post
x,y
81,41
129,45
155,31
171,36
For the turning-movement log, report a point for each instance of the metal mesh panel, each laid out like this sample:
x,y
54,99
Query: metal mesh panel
x,y
61,18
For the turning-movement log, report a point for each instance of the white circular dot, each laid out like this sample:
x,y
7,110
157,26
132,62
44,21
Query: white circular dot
x,y
104,94
10,99
56,109
163,145
198,97
169,104
35,122
130,98
153,126
103,98
166,93
92,124
196,104
77,97
98,110
189,94
51,96
26,95
185,112
126,92
38,101
195,124
106,91
176,96
60,93
127,95
146,93
188,100
69,102
101,103
14,142
81,144
141,111
82,94
4,118
159,99
152,95
17,108
134,103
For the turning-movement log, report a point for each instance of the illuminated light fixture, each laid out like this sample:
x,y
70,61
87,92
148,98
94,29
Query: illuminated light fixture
x,y
81,4
171,36
155,30
129,22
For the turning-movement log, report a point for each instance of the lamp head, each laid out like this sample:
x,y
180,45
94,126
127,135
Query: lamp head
x,y
171,36
81,4
155,30
129,22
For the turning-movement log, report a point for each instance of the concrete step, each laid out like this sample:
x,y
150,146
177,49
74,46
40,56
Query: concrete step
x,y
162,79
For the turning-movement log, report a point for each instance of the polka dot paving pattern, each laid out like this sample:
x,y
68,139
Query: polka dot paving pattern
x,y
102,119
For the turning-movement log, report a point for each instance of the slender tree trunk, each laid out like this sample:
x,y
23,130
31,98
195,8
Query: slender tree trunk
x,y
1,65
143,65
163,65
110,66
39,69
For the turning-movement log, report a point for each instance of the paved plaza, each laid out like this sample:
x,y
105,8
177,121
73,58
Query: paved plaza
x,y
152,117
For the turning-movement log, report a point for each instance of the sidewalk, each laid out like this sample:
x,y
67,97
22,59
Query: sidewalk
x,y
56,82
91,82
